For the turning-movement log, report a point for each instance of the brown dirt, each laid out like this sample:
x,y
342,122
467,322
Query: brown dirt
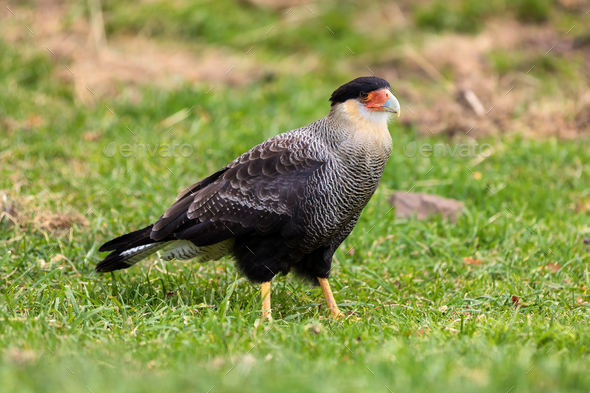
x,y
27,213
275,4
105,68
442,106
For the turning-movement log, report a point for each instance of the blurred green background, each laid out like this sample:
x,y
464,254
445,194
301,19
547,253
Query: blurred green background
x,y
494,302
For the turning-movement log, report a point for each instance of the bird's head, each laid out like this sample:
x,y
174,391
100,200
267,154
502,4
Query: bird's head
x,y
368,98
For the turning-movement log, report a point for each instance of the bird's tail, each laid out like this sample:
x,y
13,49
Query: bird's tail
x,y
129,249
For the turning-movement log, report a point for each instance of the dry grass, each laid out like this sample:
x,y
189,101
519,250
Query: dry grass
x,y
31,213
479,98
122,62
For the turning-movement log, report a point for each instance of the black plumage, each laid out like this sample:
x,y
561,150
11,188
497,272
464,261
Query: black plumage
x,y
287,204
354,88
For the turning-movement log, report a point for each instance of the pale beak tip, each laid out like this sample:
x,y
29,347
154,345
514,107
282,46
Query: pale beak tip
x,y
393,105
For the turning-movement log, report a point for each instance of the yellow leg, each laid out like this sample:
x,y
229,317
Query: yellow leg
x,y
329,297
265,291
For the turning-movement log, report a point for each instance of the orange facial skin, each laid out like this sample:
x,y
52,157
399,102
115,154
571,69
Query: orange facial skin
x,y
376,100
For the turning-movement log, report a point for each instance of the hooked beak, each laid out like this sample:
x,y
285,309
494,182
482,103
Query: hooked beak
x,y
392,105
382,101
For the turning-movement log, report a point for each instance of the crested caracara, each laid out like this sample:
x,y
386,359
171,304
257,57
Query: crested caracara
x,y
287,204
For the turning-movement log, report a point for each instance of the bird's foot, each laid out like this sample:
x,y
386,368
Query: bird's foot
x,y
265,293
325,285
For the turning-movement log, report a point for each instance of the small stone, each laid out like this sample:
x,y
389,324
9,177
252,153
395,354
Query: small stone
x,y
422,206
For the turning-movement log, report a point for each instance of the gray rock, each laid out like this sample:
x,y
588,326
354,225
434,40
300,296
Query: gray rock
x,y
425,205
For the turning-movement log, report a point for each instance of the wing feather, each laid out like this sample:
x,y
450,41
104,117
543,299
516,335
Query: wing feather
x,y
258,192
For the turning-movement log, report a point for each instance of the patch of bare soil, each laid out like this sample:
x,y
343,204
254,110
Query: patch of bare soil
x,y
139,61
26,212
100,66
478,101
275,4
19,356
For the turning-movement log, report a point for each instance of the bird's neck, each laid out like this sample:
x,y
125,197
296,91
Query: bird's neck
x,y
353,129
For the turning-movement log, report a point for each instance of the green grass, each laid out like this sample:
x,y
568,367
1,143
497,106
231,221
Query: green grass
x,y
419,318
466,16
275,33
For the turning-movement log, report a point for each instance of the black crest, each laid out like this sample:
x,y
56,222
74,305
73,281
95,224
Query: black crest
x,y
353,88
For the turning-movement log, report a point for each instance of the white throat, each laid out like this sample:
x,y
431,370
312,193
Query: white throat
x,y
356,113
365,128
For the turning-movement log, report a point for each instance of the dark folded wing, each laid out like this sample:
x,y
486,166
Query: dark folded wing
x,y
261,191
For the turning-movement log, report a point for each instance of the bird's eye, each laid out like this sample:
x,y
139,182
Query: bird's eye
x,y
364,96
